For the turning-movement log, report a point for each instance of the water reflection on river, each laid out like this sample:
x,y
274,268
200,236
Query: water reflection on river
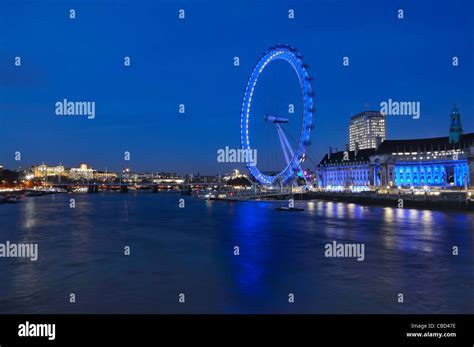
x,y
191,251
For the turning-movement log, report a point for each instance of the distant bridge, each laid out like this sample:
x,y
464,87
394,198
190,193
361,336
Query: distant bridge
x,y
94,186
128,184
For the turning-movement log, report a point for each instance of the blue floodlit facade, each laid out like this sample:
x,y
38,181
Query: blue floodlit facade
x,y
432,174
362,172
340,171
442,162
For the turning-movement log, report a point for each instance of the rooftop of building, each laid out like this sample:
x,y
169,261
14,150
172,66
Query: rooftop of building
x,y
367,113
425,145
401,146
337,157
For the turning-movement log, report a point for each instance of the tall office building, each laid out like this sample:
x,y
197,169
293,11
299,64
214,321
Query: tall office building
x,y
367,130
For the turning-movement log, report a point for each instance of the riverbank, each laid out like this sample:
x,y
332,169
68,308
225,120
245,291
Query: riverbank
x,y
452,201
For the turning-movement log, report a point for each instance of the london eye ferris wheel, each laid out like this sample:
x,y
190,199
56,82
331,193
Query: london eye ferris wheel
x,y
294,153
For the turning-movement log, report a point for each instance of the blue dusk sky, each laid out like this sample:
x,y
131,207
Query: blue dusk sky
x,y
191,62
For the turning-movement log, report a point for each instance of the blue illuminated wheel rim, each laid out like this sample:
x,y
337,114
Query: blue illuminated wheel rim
x,y
290,55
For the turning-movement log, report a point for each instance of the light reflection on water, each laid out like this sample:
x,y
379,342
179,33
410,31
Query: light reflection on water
x,y
29,212
192,250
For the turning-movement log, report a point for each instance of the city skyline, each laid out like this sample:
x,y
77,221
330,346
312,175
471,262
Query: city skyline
x,y
137,106
301,158
127,165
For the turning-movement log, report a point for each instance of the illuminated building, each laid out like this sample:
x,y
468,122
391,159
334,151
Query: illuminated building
x,y
236,174
425,162
345,170
104,176
441,162
44,170
367,130
81,172
168,177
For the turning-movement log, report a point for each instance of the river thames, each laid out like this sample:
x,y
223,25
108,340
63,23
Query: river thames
x,y
191,251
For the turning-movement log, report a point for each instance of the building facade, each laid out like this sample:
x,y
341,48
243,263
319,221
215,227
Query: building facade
x,y
104,176
441,162
83,172
367,130
424,162
44,170
345,170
